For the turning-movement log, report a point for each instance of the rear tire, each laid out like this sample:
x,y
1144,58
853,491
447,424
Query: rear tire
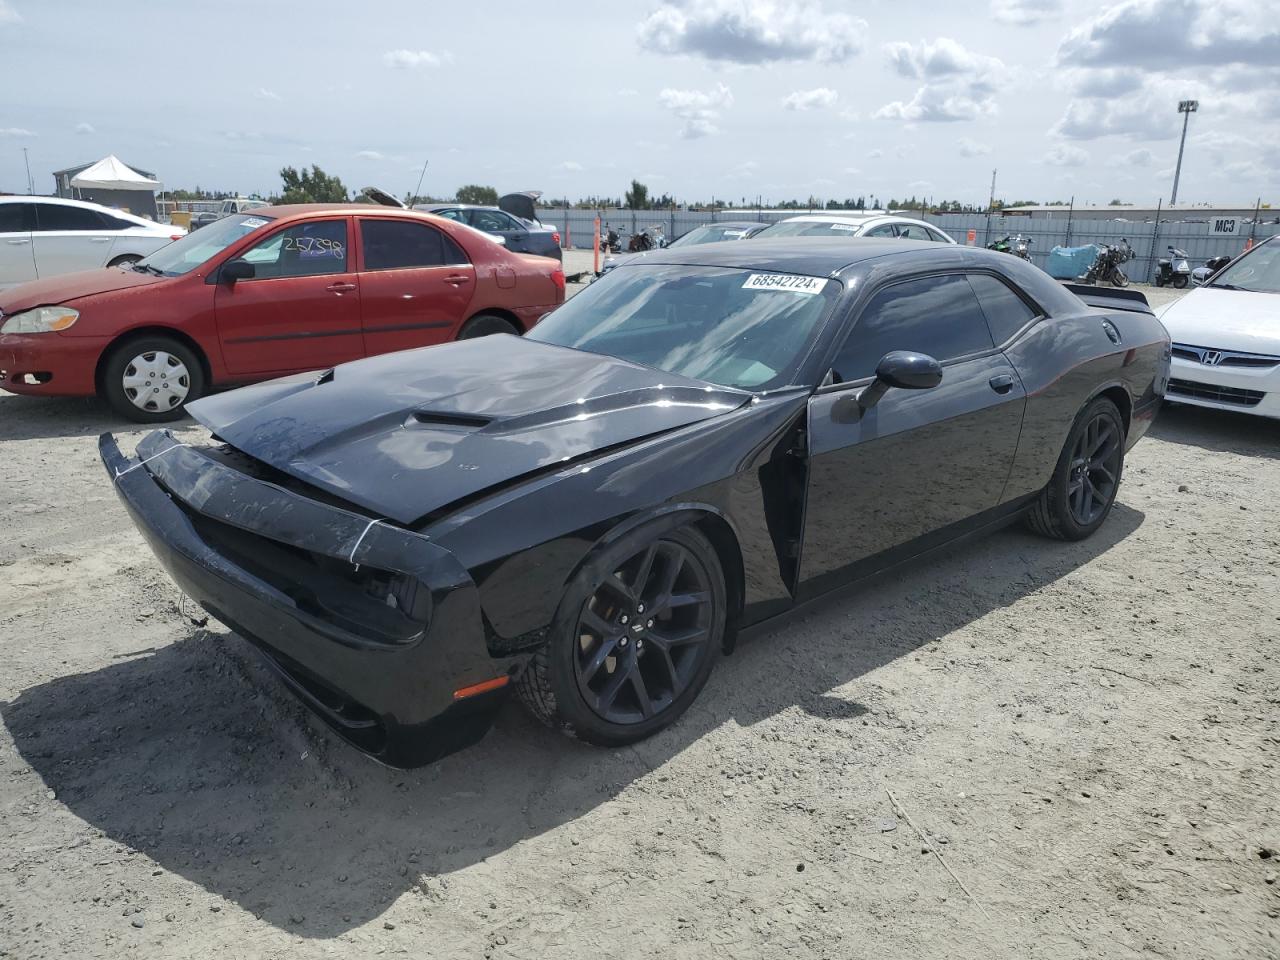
x,y
484,325
152,379
615,671
1082,490
1180,282
1119,278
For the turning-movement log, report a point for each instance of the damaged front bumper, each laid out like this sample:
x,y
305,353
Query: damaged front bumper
x,y
374,627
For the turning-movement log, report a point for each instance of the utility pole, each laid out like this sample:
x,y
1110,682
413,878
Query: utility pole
x,y
992,202
31,184
1186,108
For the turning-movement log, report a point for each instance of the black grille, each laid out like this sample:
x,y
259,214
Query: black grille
x,y
1218,394
1224,358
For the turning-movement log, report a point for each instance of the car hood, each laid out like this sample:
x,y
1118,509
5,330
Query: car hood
x,y
72,286
1226,320
407,434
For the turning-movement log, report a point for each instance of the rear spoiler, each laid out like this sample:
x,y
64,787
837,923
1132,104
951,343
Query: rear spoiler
x,y
1107,299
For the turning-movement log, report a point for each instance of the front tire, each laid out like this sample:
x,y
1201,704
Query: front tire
x,y
1085,481
634,640
484,325
152,379
1180,282
1119,278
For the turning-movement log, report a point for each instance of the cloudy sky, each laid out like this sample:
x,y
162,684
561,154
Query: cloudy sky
x,y
730,98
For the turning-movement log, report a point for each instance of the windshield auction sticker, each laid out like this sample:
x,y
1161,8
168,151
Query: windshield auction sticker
x,y
785,281
253,223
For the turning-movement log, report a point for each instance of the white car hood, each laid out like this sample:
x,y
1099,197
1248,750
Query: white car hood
x,y
1226,320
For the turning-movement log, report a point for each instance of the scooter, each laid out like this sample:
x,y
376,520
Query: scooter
x,y
1174,270
1200,275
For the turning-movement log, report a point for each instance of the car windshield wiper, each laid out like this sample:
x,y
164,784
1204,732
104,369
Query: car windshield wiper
x,y
148,268
1232,286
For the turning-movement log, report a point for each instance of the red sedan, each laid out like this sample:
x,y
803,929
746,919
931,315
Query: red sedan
x,y
253,296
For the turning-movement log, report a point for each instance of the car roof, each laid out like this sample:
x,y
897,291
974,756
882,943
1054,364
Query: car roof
x,y
83,205
458,206
815,256
322,209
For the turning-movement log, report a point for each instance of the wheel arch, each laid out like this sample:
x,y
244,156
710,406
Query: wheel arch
x,y
712,523
505,314
1119,395
153,330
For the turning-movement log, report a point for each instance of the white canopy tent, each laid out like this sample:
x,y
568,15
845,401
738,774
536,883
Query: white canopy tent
x,y
110,174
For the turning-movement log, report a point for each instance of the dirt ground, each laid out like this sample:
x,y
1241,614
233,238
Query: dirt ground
x,y
1086,734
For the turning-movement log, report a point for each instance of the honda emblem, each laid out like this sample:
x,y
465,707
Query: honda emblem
x,y
1212,358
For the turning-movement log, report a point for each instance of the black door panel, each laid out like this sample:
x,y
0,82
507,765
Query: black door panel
x,y
917,461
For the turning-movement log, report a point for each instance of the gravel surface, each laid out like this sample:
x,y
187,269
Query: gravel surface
x,y
1017,748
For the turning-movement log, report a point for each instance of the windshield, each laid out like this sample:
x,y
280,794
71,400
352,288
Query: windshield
x,y
710,233
810,228
184,255
728,326
1258,271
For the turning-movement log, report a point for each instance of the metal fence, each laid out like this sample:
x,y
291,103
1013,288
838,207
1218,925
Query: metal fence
x,y
1149,240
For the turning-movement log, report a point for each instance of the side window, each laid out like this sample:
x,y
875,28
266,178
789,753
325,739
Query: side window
x,y
116,223
937,237
305,249
1007,313
17,217
54,216
938,316
884,230
491,221
452,215
913,231
396,244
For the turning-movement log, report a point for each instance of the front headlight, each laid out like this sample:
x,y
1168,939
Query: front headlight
x,y
41,320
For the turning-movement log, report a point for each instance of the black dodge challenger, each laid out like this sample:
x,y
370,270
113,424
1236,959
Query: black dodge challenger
x,y
591,513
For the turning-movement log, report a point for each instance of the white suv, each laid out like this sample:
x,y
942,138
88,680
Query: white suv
x,y
47,236
854,225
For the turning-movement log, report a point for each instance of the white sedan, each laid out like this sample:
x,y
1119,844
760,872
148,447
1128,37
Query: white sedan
x,y
854,225
1226,337
47,236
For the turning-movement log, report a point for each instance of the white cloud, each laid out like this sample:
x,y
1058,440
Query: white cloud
x,y
627,92
921,184
265,94
815,99
1065,155
958,84
852,171
752,31
698,109
83,128
1025,12
1138,158
414,59
1145,116
370,155
875,154
972,148
1161,34
16,132
8,14
572,166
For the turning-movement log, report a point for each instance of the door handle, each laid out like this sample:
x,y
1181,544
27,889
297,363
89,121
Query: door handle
x,y
99,239
20,240
457,279
1002,383
340,287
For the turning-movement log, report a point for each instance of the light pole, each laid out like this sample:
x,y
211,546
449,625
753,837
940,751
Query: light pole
x,y
1186,108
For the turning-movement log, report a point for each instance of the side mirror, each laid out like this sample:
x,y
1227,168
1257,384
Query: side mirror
x,y
234,270
904,370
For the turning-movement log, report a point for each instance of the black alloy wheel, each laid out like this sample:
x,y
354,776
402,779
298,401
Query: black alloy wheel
x,y
642,634
635,637
1079,496
1095,469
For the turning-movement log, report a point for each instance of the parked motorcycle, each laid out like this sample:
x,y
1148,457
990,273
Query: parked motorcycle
x,y
610,242
1016,245
1174,270
647,239
1200,275
1106,266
